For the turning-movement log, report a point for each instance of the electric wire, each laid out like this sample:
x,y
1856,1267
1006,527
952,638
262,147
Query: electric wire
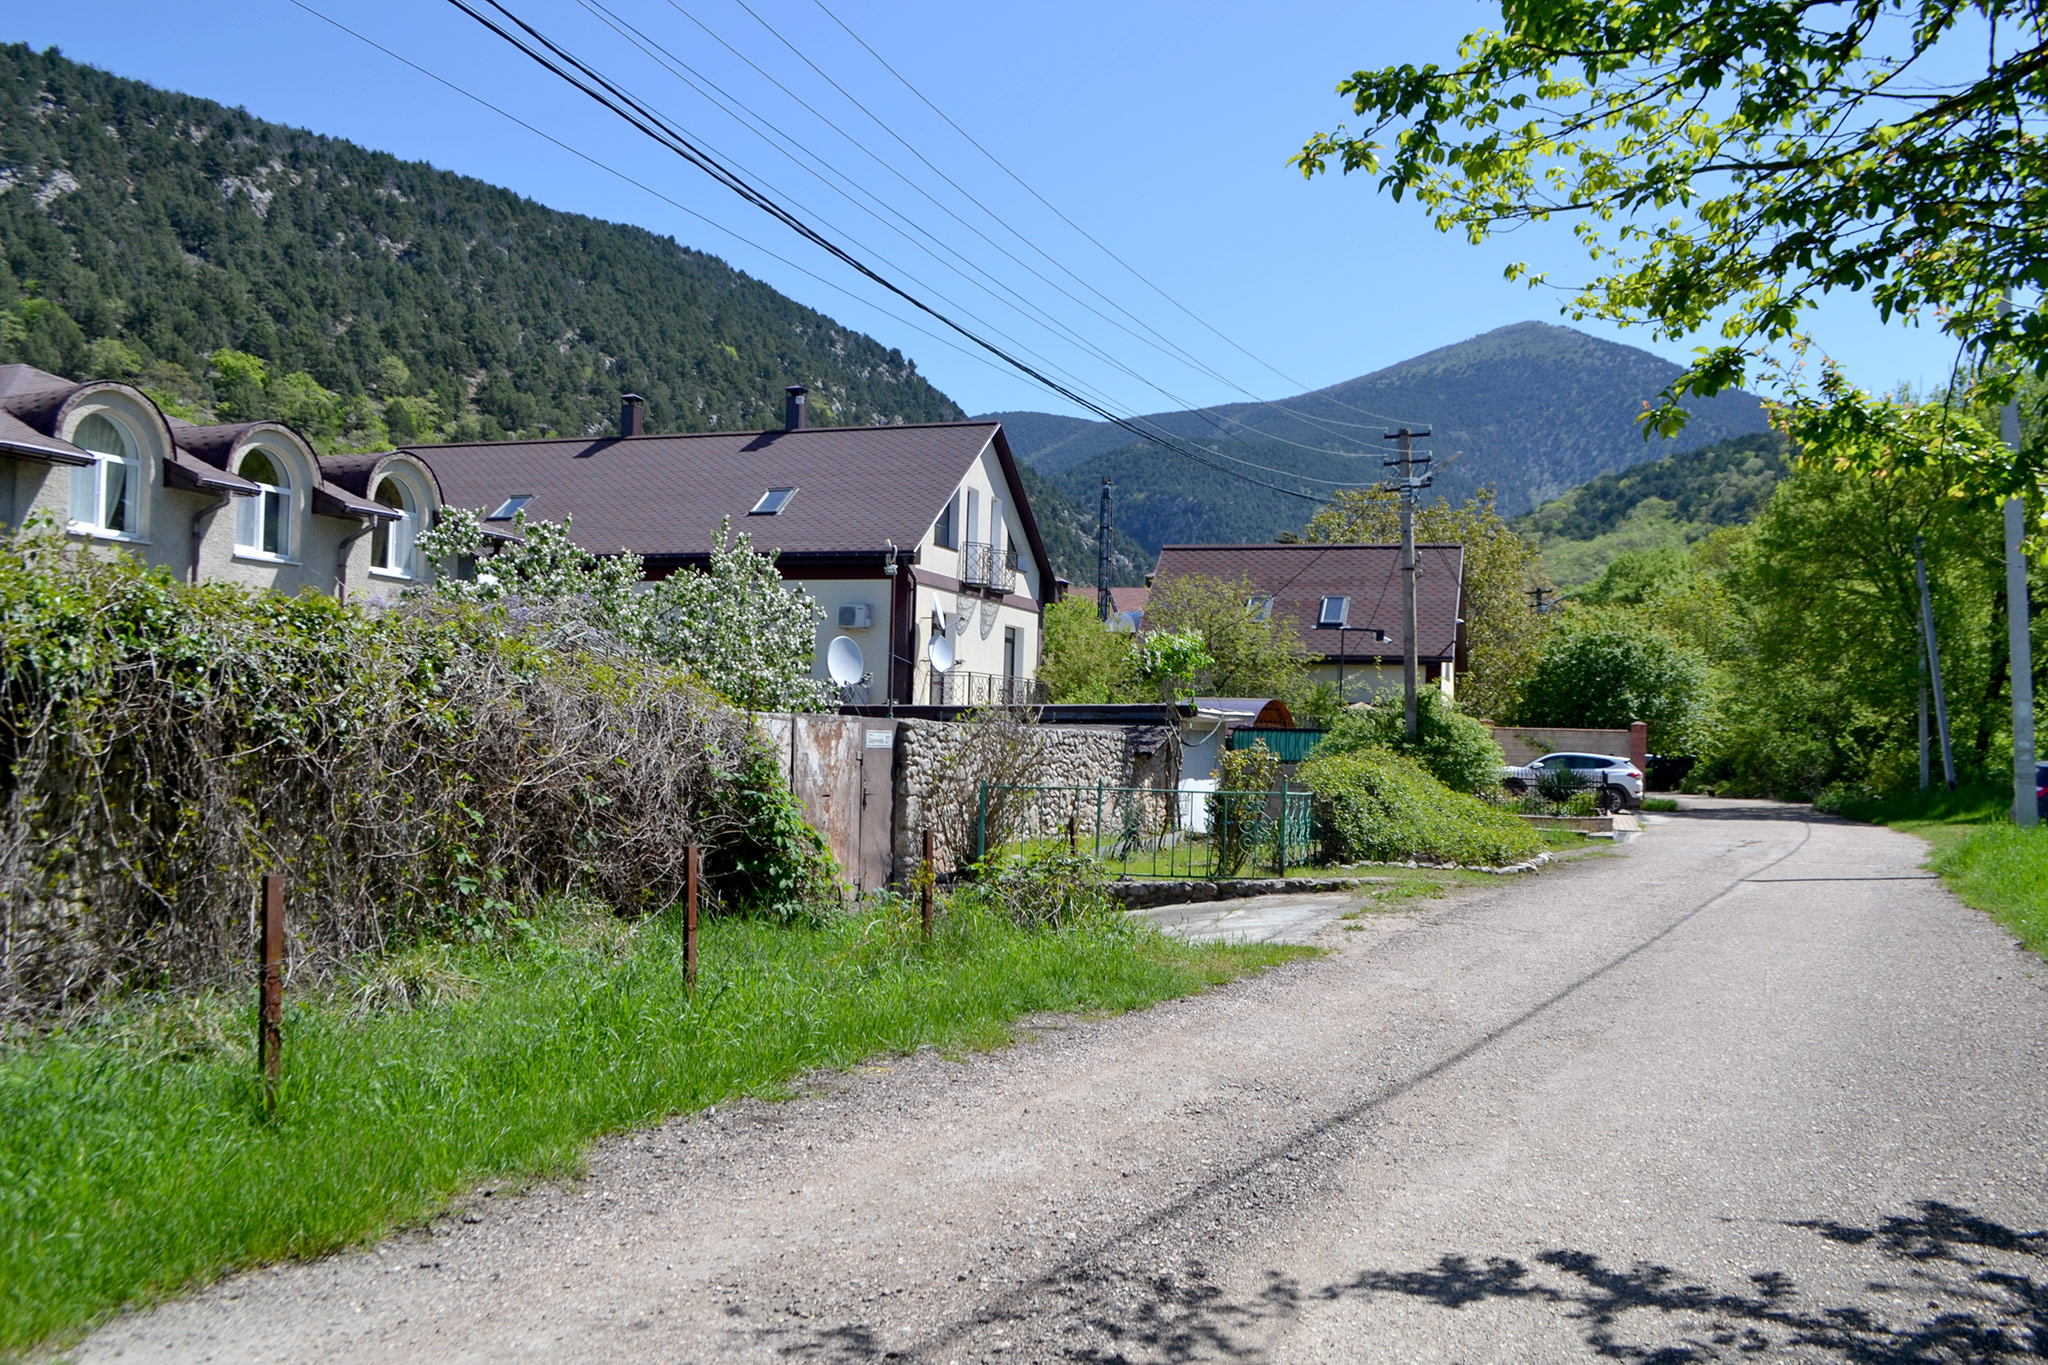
x,y
607,95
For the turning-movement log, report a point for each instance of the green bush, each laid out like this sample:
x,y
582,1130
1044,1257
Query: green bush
x,y
414,770
1457,750
1380,807
1604,671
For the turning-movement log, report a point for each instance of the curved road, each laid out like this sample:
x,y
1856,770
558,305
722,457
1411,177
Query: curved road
x,y
1755,1087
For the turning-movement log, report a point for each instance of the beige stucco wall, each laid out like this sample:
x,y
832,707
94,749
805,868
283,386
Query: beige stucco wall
x,y
1363,681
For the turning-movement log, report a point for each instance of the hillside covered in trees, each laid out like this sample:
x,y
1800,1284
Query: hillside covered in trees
x,y
238,267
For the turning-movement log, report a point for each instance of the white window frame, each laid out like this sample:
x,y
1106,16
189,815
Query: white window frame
x,y
251,511
398,539
1326,620
88,509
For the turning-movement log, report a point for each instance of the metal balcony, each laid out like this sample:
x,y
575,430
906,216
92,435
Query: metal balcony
x,y
982,567
958,687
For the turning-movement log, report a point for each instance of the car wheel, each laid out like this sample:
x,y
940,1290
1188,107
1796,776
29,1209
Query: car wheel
x,y
1514,786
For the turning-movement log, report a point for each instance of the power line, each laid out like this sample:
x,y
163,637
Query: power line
x,y
654,127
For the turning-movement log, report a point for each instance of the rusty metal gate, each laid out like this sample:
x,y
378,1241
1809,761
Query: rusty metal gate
x,y
842,771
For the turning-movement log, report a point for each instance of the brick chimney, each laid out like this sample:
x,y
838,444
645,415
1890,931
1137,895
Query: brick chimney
x,y
632,414
794,408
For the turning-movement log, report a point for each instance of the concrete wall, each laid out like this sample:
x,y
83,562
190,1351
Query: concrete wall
x,y
1526,743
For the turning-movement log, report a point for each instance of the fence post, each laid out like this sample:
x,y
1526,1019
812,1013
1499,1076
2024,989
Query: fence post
x,y
1098,820
1280,828
931,874
270,955
981,826
690,872
1074,834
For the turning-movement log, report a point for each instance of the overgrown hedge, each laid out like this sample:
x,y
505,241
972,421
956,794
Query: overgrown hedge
x,y
412,770
1377,806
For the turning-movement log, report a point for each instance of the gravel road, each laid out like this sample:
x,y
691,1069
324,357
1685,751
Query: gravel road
x,y
1753,1087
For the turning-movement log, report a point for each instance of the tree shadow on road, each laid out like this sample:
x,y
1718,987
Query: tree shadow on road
x,y
1965,1289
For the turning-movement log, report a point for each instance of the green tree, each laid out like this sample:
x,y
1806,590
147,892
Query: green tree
x,y
1502,630
1607,671
1250,654
1733,160
1085,660
740,626
1169,661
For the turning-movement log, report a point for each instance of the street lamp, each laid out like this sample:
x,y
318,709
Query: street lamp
x,y
1342,631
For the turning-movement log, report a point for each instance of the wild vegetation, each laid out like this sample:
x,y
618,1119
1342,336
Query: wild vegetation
x,y
137,1159
240,268
1377,806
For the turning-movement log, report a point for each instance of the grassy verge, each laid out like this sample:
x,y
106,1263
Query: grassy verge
x,y
1991,864
136,1159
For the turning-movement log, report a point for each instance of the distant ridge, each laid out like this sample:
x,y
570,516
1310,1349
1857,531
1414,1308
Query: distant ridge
x,y
1532,409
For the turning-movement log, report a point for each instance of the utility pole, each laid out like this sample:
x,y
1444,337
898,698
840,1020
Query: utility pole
x,y
2019,631
1948,758
1102,554
1536,595
1409,485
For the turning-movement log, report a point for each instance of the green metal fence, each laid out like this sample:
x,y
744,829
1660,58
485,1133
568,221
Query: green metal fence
x,y
1287,745
1153,831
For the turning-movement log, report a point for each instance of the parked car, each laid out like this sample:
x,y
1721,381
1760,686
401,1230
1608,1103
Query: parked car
x,y
1616,783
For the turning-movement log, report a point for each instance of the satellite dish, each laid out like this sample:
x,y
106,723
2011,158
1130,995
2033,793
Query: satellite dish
x,y
941,653
844,662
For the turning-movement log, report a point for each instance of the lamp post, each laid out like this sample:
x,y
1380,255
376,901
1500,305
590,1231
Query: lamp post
x,y
1343,652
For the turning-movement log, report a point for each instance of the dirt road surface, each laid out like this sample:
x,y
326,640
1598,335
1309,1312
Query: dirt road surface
x,y
1755,1087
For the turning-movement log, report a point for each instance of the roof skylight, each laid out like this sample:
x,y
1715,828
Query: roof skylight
x,y
1335,610
511,507
772,502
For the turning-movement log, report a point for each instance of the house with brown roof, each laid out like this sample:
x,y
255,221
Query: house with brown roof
x,y
916,540
1345,602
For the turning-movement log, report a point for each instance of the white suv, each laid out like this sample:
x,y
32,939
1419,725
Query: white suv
x,y
1616,783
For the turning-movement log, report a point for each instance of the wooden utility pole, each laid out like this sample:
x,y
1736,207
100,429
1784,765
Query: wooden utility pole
x,y
1102,554
1409,485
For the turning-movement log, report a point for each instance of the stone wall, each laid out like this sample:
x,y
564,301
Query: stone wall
x,y
940,766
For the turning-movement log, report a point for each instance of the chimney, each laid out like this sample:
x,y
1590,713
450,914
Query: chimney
x,y
632,414
793,408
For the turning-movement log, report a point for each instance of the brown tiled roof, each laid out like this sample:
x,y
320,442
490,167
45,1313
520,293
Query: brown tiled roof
x,y
1129,599
662,496
1298,577
19,438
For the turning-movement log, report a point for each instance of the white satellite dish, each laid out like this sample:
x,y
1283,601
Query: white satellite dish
x,y
844,662
941,653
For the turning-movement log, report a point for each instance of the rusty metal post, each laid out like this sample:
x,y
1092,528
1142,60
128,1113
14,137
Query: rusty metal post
x,y
1074,835
690,870
270,960
929,875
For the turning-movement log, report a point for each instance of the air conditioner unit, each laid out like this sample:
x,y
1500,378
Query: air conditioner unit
x,y
856,616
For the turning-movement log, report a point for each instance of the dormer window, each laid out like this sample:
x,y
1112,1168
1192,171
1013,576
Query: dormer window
x,y
103,495
263,520
1335,611
511,507
392,542
772,502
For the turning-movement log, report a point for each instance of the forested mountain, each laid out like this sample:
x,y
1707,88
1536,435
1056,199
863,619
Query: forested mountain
x,y
1068,530
142,232
1666,504
1531,410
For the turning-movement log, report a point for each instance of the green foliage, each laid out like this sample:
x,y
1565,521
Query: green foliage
x,y
1606,671
1247,655
1239,826
136,1161
1559,786
1380,807
413,768
1169,661
1502,630
1085,660
1728,161
1051,888
383,299
1456,749
773,862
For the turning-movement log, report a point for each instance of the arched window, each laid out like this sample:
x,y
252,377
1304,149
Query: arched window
x,y
263,520
106,493
392,542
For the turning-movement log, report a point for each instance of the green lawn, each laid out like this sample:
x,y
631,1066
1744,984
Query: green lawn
x,y
1992,864
136,1159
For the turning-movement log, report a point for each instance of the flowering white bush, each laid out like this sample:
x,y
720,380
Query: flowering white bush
x,y
748,634
743,629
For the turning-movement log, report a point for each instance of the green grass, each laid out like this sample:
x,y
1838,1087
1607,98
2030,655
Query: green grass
x,y
136,1159
1662,803
1986,860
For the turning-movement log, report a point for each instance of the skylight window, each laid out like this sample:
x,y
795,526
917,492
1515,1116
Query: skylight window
x,y
511,507
1260,607
1335,610
772,502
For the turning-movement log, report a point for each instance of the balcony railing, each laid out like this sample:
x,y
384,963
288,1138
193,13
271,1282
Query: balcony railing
x,y
958,687
981,566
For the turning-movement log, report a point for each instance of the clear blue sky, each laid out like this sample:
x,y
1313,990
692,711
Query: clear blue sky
x,y
1163,130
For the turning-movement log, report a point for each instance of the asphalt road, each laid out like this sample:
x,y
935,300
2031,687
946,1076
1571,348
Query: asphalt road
x,y
1754,1087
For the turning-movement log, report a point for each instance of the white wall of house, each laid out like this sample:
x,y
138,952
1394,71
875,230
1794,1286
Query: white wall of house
x,y
1364,681
994,635
834,593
